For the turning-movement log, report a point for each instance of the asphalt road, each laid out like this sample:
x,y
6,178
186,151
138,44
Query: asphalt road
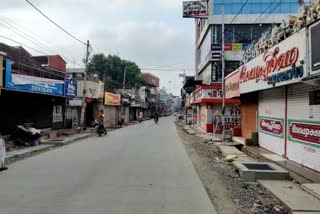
x,y
141,169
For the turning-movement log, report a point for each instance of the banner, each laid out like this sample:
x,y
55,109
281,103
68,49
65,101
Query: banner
x,y
31,83
194,9
112,99
71,88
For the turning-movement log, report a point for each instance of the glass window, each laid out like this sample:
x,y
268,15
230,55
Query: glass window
x,y
255,6
242,33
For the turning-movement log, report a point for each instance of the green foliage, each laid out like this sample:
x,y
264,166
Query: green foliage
x,y
111,70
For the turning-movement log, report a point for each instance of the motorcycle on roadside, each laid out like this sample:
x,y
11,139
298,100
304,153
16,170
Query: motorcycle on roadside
x,y
100,128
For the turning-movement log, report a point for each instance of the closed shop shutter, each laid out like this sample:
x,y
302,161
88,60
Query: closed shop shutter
x,y
271,120
303,144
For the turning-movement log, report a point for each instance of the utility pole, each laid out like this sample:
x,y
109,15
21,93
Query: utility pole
x,y
84,92
124,78
223,83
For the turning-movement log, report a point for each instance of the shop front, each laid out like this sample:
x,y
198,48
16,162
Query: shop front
x,y
37,101
208,99
112,104
94,99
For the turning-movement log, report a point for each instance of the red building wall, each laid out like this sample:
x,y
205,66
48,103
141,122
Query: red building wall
x,y
56,62
151,79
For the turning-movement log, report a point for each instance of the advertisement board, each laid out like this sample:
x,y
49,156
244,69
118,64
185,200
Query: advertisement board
x,y
112,99
32,84
272,126
94,89
232,85
314,32
195,9
71,88
304,132
283,64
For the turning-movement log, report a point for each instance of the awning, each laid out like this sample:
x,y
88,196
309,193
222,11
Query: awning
x,y
208,100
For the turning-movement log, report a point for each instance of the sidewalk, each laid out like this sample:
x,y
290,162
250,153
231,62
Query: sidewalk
x,y
298,172
300,192
46,145
52,140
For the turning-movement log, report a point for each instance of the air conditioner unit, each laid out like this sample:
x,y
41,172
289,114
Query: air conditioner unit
x,y
314,41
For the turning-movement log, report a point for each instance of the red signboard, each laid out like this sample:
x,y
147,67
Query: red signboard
x,y
271,126
305,132
228,46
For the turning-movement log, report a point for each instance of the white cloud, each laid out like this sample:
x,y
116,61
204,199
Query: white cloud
x,y
113,27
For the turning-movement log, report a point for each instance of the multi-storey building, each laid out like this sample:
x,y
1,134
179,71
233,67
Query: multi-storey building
x,y
244,22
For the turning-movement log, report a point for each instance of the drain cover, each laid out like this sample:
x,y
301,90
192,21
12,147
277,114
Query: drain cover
x,y
258,166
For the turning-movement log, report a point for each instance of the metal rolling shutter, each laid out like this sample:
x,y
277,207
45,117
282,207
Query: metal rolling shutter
x,y
272,108
299,111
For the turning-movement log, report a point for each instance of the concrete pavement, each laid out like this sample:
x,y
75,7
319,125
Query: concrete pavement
x,y
141,169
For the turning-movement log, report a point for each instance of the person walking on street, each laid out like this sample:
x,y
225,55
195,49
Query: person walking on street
x,y
140,116
2,154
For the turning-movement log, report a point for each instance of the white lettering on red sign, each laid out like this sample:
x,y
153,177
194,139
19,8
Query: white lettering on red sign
x,y
272,126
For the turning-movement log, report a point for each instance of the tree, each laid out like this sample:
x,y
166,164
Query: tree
x,y
111,69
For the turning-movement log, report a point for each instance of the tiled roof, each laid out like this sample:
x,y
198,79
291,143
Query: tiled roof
x,y
19,54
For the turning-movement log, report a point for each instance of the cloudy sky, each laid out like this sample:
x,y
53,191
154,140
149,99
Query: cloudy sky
x,y
151,33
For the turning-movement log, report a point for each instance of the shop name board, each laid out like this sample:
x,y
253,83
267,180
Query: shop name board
x,y
283,64
232,86
271,126
71,88
230,47
32,83
194,9
209,93
304,132
293,73
272,62
112,99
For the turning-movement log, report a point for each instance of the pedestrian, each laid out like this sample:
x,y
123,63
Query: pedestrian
x,y
140,116
2,154
101,117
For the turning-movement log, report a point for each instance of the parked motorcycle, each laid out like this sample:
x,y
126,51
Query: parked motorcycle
x,y
101,129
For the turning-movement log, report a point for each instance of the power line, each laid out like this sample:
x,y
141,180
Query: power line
x,y
239,11
12,40
23,36
53,22
30,38
263,12
168,69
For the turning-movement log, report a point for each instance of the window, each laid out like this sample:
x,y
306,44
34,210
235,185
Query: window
x,y
255,6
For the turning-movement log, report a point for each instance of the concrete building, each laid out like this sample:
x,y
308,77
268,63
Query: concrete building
x,y
152,93
244,23
32,92
241,28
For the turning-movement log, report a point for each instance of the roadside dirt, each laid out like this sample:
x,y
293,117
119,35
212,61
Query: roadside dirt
x,y
227,191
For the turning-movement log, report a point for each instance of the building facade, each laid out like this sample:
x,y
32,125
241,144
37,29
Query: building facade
x,y
281,106
244,23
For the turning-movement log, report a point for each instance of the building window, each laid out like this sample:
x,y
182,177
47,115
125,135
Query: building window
x,y
240,33
256,6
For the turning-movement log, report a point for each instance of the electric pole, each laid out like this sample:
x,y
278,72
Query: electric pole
x,y
124,78
223,83
84,92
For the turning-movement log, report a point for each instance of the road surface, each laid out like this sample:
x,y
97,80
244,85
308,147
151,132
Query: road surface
x,y
141,169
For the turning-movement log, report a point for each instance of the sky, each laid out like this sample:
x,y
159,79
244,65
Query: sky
x,y
151,33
